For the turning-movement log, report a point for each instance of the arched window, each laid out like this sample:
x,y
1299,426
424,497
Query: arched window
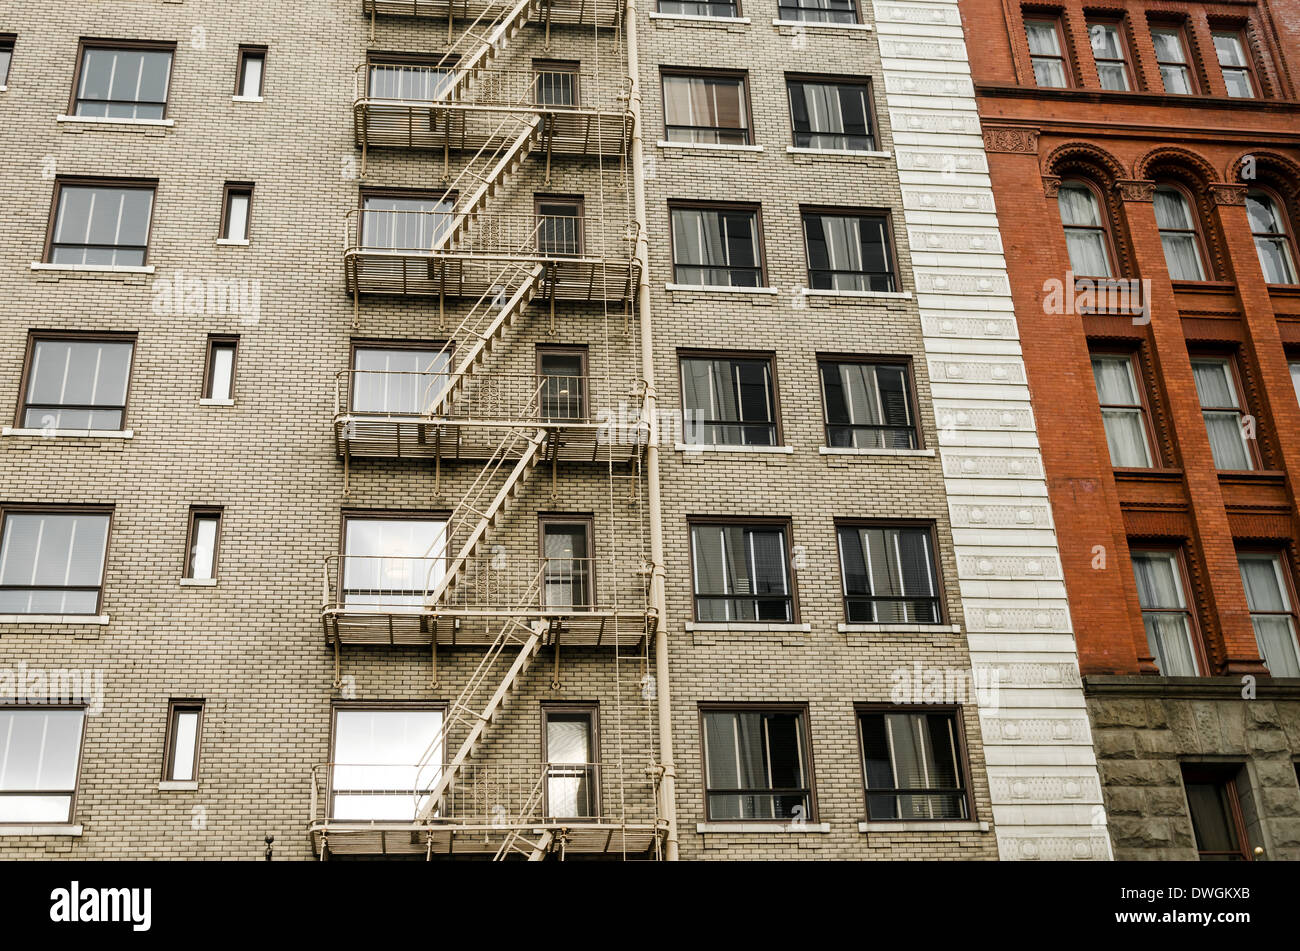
x,y
1273,241
1179,234
1085,230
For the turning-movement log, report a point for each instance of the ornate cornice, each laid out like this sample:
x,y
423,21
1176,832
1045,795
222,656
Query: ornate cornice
x,y
1134,189
1223,193
1011,139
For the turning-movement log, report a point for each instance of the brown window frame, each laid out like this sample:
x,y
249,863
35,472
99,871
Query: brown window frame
x,y
1107,237
874,359
936,563
1288,233
228,191
961,751
735,14
383,706
8,42
1241,32
588,521
1057,19
81,753
86,181
1195,630
1225,776
835,79
1197,231
217,342
1126,59
403,343
686,72
96,43
784,522
857,15
833,211
686,353
1137,363
562,349
1282,553
805,734
174,708
196,514
572,67
58,508
250,51
88,336
760,250
1233,360
591,710
580,205
1180,26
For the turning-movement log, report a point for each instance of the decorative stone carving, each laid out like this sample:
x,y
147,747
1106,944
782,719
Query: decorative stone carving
x,y
1136,190
1051,185
1010,139
1222,193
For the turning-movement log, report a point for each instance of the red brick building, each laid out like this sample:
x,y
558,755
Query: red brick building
x,y
1145,159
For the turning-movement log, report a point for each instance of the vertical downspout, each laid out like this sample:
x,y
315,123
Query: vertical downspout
x,y
658,595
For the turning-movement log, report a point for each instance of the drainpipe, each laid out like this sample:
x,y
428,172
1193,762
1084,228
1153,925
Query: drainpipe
x,y
658,595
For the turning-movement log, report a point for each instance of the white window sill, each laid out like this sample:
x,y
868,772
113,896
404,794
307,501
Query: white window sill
x,y
51,829
177,785
81,433
899,628
4,88
708,146
207,402
692,18
109,120
199,582
98,268
883,295
718,289
800,150
689,447
851,451
247,99
233,242
752,626
797,827
923,826
96,619
823,26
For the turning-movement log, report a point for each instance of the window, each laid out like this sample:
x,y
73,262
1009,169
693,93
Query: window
x,y
77,383
889,574
1165,616
1272,611
1171,57
555,84
1216,386
567,565
249,70
397,222
911,763
52,560
1045,52
6,58
572,773
1295,377
716,247
1234,62
122,81
40,756
392,561
711,108
100,224
700,8
742,573
1215,808
201,548
1110,55
728,401
559,226
756,765
1122,411
219,375
1178,235
184,727
415,79
1273,244
236,206
831,115
848,252
1085,230
563,382
868,405
397,379
818,11
376,772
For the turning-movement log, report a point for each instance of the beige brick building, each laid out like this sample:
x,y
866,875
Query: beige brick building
x,y
410,417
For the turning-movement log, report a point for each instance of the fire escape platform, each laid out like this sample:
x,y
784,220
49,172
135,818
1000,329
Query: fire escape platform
x,y
365,436
376,626
436,838
472,274
605,13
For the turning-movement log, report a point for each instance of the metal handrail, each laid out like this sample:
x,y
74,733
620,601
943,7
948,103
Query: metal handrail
x,y
491,86
481,394
519,235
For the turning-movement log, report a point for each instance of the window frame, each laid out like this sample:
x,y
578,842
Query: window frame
x,y
904,361
1288,235
936,565
591,710
828,79
784,523
58,508
1197,231
250,51
81,751
8,42
228,191
1282,556
857,15
579,202
760,250
377,706
1179,27
1136,367
196,514
214,343
801,709
687,353
1056,18
85,181
1251,68
91,336
686,72
1195,632
962,752
174,708
588,521
384,515
1233,361
734,15
579,350
831,211
1107,237
1126,59
1225,775
86,44
378,343
571,67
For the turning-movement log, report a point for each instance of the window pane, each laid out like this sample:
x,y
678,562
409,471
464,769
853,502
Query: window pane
x,y
222,371
1271,242
398,381
376,755
101,225
393,562
818,11
185,739
705,109
39,754
78,384
204,546
830,116
408,82
1167,623
1270,606
1121,411
51,551
728,402
889,575
237,215
403,224
911,758
250,81
124,84
755,765
698,8
1212,817
1104,38
712,247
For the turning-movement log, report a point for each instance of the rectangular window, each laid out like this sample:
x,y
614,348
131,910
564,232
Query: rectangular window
x,y
828,114
868,405
6,58
1161,593
123,81
236,209
818,11
201,548
1216,386
397,380
415,79
375,772
104,225
700,8
40,756
710,108
1295,377
756,765
1272,611
742,573
562,383
567,566
1171,56
403,222
572,773
559,226
555,84
219,374
889,574
77,383
911,763
1123,411
1110,55
1178,237
1045,52
184,727
716,247
1215,808
1235,63
848,252
249,71
728,401
392,562
52,561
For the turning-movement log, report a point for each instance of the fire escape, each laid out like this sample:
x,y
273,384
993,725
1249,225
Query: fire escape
x,y
487,431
